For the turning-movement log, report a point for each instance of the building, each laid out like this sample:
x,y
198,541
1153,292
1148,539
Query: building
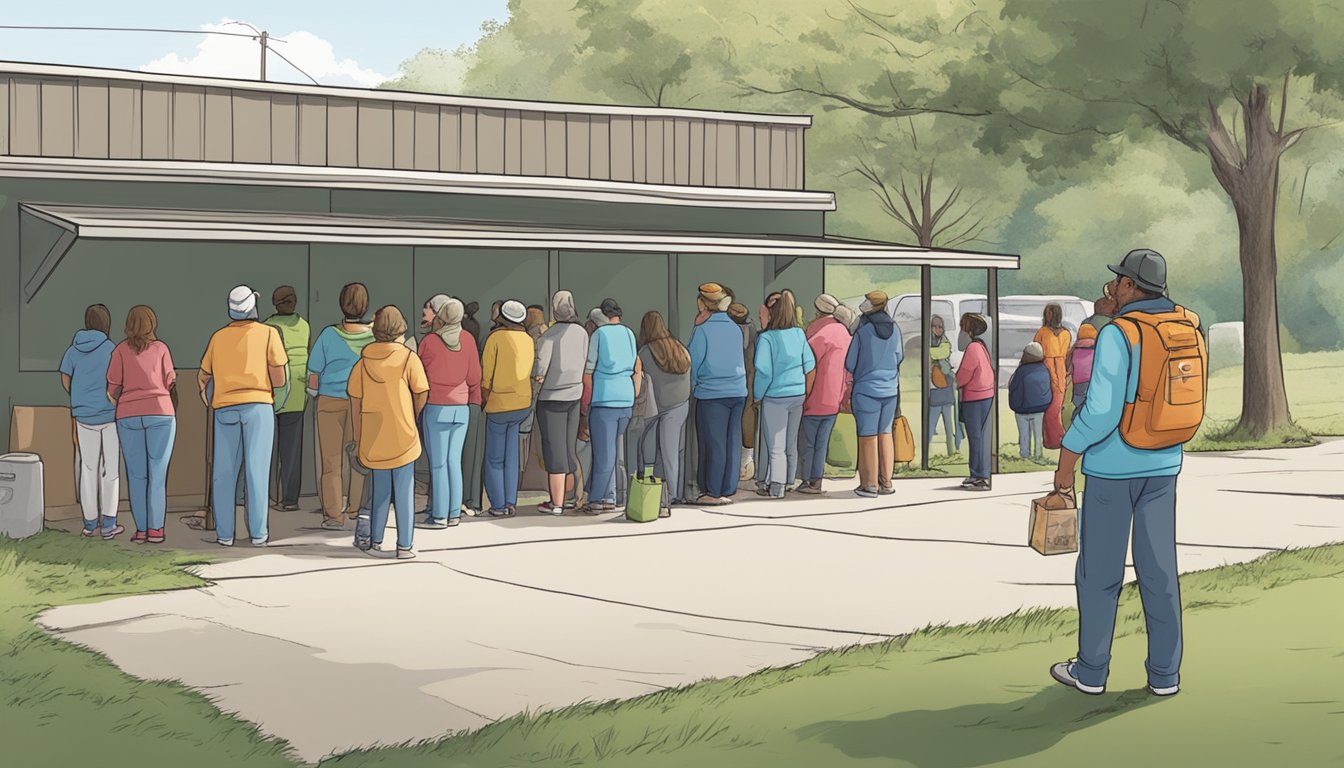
x,y
126,187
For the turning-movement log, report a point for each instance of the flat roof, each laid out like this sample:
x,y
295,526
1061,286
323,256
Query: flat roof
x,y
409,97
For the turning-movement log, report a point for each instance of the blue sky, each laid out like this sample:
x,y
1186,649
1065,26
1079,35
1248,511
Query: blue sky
x,y
340,43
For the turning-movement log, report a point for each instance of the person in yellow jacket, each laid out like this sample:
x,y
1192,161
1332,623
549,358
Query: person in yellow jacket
x,y
506,388
388,389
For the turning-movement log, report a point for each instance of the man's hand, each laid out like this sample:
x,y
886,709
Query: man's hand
x,y
1064,475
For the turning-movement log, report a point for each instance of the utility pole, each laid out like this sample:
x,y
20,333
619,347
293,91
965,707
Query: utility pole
x,y
264,37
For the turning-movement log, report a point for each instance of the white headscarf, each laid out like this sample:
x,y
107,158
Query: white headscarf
x,y
449,320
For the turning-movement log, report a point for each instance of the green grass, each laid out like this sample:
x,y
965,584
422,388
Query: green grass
x,y
1227,437
61,705
1260,677
1314,395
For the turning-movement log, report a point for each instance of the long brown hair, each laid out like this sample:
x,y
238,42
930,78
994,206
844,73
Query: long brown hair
x,y
141,324
668,353
1053,317
781,313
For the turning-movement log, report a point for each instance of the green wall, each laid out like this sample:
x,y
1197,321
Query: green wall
x,y
186,282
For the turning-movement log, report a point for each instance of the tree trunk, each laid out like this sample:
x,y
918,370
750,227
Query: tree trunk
x,y
1251,180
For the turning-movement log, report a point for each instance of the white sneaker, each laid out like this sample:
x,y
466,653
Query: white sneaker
x,y
1063,673
1169,691
224,542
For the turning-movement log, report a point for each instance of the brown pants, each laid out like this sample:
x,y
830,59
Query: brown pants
x,y
334,430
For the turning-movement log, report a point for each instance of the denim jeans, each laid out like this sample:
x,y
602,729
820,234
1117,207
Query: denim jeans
x,y
501,457
780,421
951,425
1109,507
147,446
1029,426
718,425
395,488
445,434
244,435
976,415
473,458
606,426
815,440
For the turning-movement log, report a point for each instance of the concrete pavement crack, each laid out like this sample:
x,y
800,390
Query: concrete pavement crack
x,y
673,611
568,663
913,505
1291,494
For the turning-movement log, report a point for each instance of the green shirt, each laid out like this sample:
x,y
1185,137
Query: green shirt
x,y
294,336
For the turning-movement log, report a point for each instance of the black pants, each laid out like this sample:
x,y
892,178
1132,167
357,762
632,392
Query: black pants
x,y
289,455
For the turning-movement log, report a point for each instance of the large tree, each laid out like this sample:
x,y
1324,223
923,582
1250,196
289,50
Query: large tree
x,y
1064,79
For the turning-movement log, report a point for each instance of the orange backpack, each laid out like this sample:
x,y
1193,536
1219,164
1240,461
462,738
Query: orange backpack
x,y
1173,362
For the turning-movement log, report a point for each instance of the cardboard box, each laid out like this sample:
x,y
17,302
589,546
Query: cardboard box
x,y
1054,525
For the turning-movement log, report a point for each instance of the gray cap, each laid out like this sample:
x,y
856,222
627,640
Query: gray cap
x,y
1146,268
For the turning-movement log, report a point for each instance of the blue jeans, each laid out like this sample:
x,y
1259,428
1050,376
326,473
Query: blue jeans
x,y
393,487
816,440
718,426
501,457
1030,425
605,428
147,445
445,434
951,426
976,416
243,437
1109,506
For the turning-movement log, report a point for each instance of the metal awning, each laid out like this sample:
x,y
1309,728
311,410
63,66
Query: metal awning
x,y
110,223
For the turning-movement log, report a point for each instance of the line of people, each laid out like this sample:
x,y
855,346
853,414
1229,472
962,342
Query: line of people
x,y
478,404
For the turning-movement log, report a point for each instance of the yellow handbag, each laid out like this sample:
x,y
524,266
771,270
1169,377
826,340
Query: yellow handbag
x,y
904,440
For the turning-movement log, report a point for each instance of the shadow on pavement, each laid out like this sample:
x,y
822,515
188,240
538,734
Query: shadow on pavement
x,y
977,734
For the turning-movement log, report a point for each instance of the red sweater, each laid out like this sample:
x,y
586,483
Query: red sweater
x,y
454,377
975,377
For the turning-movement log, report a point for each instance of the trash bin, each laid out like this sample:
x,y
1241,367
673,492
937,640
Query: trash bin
x,y
21,505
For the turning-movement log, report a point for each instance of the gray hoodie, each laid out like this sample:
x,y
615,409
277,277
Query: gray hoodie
x,y
562,352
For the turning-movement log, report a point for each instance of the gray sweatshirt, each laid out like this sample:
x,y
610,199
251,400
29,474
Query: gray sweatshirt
x,y
562,352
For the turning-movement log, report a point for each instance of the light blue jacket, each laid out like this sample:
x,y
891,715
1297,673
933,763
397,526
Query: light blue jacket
x,y
611,361
718,365
783,360
1095,432
85,362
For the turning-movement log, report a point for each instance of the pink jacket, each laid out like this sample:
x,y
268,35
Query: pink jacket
x,y
975,377
829,340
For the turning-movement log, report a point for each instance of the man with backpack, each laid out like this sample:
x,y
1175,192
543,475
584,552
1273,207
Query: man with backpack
x,y
1145,400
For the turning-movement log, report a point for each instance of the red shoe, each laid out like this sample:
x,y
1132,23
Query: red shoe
x,y
138,538
155,536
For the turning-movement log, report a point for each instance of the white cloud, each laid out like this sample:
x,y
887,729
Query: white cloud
x,y
240,57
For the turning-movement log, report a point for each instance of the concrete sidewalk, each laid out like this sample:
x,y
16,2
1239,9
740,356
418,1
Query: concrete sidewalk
x,y
501,616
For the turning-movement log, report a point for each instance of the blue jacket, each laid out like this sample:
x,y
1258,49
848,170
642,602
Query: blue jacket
x,y
1095,430
718,368
611,361
85,362
1029,389
783,360
875,356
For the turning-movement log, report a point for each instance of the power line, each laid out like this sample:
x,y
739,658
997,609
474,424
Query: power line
x,y
134,29
296,66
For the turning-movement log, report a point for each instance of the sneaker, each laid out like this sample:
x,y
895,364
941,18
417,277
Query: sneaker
x,y
138,537
867,493
155,536
220,542
289,508
363,545
454,522
886,490
261,542
725,500
501,512
333,525
405,554
470,511
547,508
810,487
978,485
968,482
89,533
1063,673
1168,691
431,523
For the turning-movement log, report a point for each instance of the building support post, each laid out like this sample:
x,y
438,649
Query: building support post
x,y
992,301
925,364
